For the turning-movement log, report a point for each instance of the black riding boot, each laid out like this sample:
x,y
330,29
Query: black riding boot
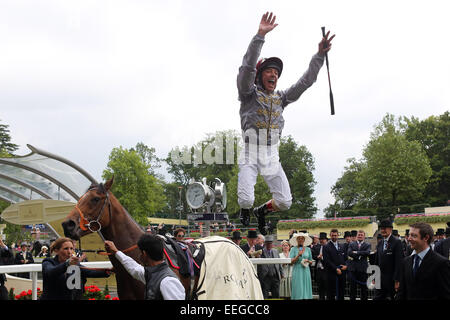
x,y
244,215
260,214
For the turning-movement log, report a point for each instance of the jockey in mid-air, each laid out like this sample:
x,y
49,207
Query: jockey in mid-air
x,y
262,122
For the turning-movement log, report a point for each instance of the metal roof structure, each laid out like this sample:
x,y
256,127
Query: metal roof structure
x,y
42,175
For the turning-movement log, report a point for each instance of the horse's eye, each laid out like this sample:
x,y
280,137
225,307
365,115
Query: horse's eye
x,y
95,200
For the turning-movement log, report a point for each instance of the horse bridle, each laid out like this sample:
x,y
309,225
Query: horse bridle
x,y
93,225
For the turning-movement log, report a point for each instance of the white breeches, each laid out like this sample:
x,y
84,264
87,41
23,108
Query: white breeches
x,y
264,161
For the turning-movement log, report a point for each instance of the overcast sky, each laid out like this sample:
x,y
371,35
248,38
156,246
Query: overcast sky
x,y
78,78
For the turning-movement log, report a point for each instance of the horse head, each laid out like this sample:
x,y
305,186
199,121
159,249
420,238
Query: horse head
x,y
91,213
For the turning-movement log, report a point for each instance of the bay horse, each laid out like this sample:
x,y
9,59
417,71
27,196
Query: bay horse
x,y
98,210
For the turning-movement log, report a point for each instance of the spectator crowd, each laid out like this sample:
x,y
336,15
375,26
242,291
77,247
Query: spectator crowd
x,y
415,266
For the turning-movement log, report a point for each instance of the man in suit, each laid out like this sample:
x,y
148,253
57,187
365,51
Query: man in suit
x,y
440,235
319,269
334,262
270,274
23,257
425,274
358,252
443,246
5,255
405,244
389,258
236,237
251,248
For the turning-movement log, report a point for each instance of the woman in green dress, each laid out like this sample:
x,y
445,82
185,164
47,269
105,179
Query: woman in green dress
x,y
301,258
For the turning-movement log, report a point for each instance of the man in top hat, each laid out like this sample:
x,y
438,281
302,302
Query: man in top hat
x,y
270,274
251,248
236,237
262,122
425,274
319,268
389,258
348,240
353,235
405,244
373,253
23,257
335,266
443,246
440,234
358,252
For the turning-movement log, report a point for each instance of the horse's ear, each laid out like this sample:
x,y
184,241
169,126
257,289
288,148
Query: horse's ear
x,y
109,184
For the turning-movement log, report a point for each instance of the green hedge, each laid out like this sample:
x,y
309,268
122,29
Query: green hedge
x,y
322,224
426,219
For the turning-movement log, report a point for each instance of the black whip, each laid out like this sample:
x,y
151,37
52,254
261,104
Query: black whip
x,y
328,70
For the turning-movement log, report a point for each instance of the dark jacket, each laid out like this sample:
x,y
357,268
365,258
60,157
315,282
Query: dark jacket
x,y
357,257
333,258
443,247
315,252
432,279
54,280
390,261
5,255
264,269
246,248
19,258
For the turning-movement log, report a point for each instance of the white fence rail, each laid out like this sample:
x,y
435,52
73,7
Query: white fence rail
x,y
33,269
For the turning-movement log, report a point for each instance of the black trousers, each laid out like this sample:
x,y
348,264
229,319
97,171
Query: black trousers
x,y
321,280
386,293
357,279
270,284
335,286
3,292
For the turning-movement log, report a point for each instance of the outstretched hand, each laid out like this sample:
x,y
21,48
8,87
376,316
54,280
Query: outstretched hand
x,y
110,247
267,24
325,44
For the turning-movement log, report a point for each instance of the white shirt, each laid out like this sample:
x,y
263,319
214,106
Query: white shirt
x,y
171,288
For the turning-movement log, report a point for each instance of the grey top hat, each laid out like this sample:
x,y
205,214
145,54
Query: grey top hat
x,y
269,238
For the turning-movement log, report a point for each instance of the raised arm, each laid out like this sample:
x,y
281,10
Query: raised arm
x,y
247,71
310,76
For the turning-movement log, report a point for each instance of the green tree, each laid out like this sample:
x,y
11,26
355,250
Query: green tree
x,y
396,170
6,146
172,207
346,190
207,158
433,134
298,164
137,189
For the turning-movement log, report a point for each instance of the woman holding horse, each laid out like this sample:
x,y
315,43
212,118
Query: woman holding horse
x,y
54,272
161,283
